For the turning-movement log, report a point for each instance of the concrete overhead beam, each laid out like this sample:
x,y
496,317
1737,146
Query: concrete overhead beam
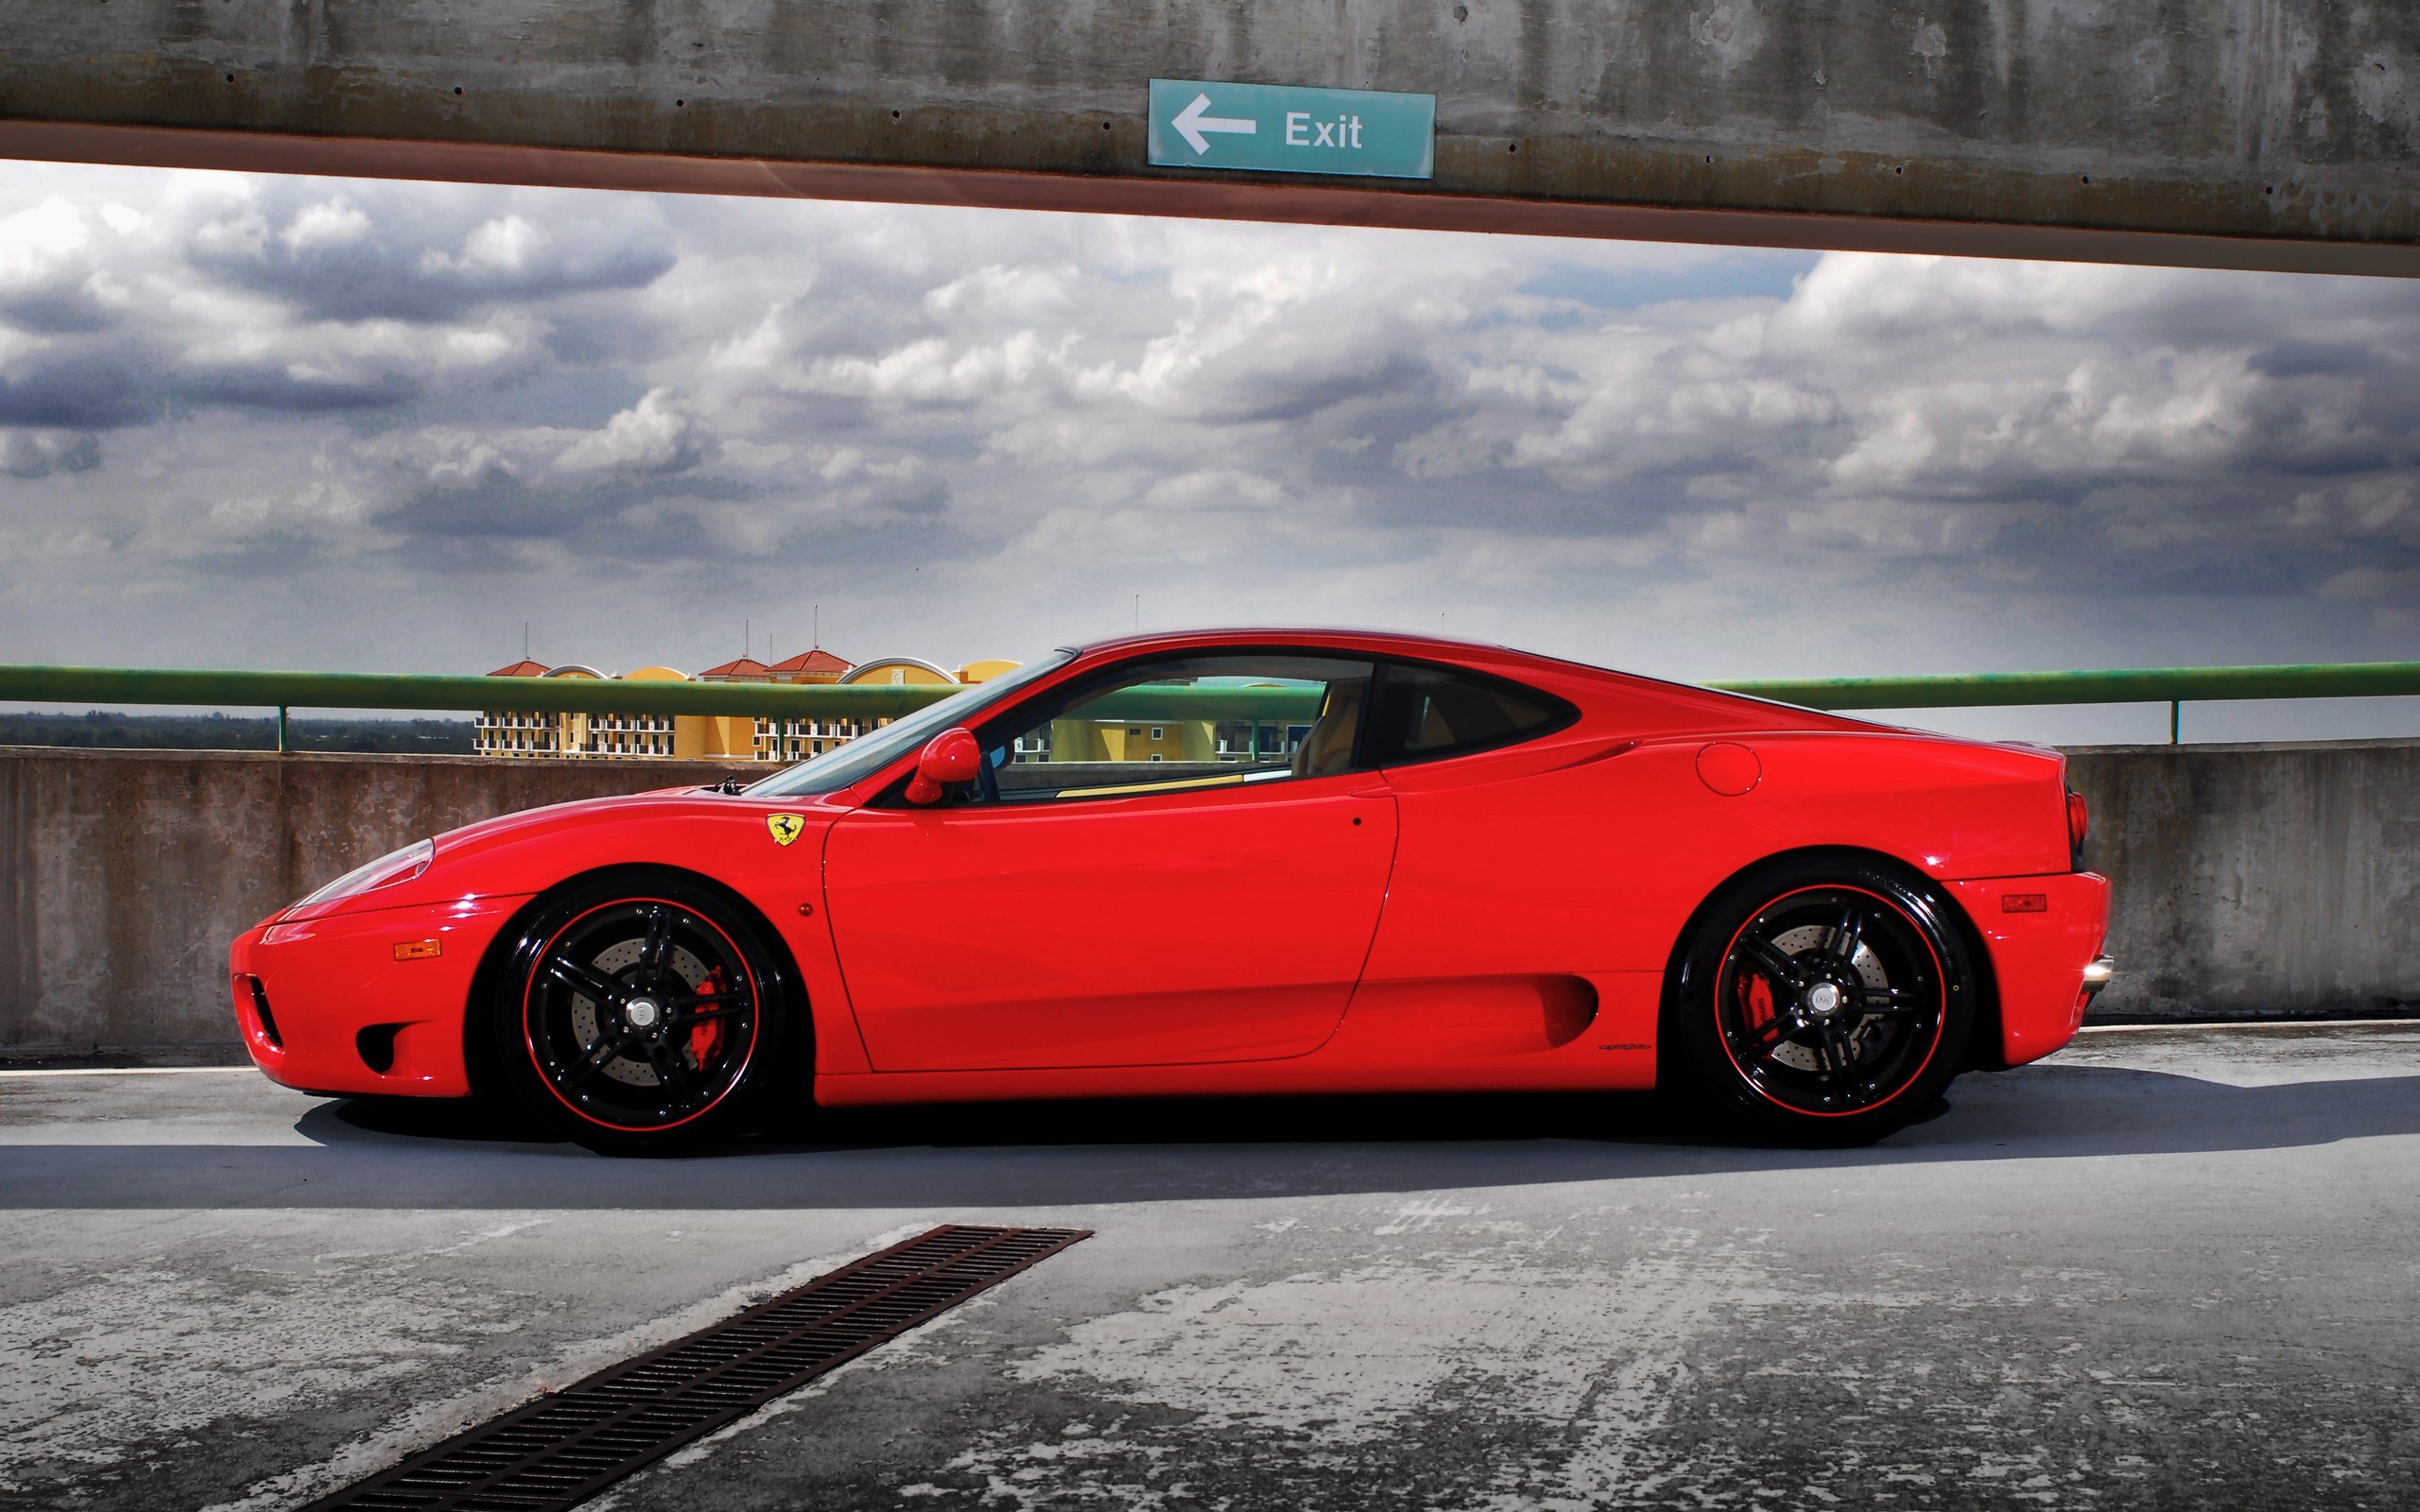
x,y
2243,134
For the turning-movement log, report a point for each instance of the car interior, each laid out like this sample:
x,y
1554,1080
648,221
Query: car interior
x,y
1205,721
1201,721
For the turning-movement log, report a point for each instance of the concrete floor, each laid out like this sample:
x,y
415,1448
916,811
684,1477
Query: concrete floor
x,y
2166,1269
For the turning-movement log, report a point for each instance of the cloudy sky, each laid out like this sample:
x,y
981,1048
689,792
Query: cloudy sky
x,y
294,423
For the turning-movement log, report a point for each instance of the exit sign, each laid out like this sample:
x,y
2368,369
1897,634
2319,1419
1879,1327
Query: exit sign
x,y
1276,129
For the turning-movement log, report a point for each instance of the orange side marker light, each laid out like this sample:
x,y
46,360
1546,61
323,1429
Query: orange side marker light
x,y
419,949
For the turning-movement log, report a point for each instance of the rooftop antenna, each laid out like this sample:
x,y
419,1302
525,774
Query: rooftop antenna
x,y
747,637
1138,613
525,639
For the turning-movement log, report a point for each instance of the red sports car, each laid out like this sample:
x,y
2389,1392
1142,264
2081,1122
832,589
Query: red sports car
x,y
1240,861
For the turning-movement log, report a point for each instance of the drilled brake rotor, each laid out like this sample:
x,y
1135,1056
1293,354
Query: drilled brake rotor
x,y
632,1070
1808,937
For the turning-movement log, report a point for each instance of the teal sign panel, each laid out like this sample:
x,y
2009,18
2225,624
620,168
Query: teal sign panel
x,y
1277,129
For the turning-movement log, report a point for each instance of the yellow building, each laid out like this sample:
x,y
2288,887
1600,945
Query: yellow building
x,y
899,671
686,736
512,732
1227,738
795,740
1113,740
729,737
706,737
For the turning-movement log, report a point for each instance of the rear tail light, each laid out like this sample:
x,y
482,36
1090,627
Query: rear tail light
x,y
2079,822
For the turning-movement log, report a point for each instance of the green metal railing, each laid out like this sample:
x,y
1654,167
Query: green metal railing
x,y
2173,686
284,691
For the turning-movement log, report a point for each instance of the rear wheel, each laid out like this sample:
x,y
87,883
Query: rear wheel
x,y
1824,1002
645,1014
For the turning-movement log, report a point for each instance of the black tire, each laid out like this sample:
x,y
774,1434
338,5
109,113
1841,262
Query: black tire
x,y
1823,1002
646,1014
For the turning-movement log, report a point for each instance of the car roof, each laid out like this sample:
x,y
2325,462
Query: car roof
x,y
1432,648
1479,655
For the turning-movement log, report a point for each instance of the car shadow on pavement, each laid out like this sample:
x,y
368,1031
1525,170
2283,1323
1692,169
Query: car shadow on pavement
x,y
374,1153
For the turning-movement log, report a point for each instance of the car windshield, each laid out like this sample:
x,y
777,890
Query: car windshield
x,y
876,748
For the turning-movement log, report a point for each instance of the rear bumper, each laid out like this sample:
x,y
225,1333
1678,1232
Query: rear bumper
x,y
344,1014
2045,936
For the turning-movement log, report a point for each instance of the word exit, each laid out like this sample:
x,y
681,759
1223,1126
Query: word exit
x,y
1344,132
1277,129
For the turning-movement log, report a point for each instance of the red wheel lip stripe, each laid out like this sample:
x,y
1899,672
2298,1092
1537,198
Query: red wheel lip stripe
x,y
755,1019
1941,1024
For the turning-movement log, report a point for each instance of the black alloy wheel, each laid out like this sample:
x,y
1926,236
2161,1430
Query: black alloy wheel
x,y
646,1015
1828,1003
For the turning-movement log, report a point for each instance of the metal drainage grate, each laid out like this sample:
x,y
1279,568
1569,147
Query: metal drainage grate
x,y
569,1445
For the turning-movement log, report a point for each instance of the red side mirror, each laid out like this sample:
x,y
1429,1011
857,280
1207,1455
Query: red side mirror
x,y
949,757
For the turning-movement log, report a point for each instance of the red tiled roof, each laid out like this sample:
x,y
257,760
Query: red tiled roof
x,y
746,666
817,660
524,668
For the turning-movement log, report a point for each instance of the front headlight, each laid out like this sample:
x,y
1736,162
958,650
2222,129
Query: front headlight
x,y
401,865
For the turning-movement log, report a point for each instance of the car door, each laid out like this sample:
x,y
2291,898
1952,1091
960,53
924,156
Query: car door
x,y
1182,861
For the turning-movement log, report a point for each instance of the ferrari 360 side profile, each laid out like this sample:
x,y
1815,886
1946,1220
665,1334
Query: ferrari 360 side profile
x,y
1238,860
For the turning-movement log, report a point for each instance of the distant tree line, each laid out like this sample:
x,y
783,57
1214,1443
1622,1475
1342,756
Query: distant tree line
x,y
103,728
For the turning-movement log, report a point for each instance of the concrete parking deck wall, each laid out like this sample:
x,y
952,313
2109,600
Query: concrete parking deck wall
x,y
2255,879
124,874
2250,879
2251,133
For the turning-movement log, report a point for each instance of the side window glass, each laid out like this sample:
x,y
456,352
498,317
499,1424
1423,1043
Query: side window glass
x,y
1204,721
1424,712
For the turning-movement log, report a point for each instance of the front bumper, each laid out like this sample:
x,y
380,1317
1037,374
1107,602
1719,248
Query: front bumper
x,y
2045,936
348,1012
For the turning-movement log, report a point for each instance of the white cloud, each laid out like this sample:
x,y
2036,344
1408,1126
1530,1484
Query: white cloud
x,y
38,454
506,245
39,244
2372,582
967,433
1217,489
329,223
655,435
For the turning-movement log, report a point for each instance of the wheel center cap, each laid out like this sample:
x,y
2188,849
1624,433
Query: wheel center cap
x,y
1822,1000
643,1013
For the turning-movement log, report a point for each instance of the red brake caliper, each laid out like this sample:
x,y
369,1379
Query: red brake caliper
x,y
1759,995
704,1037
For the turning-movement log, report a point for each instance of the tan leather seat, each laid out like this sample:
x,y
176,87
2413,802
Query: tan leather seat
x,y
1328,749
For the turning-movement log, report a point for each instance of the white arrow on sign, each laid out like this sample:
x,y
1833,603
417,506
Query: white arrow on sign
x,y
1191,124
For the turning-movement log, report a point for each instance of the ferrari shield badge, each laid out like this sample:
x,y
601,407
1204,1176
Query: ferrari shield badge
x,y
784,826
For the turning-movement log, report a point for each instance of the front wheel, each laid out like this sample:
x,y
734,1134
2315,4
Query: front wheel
x,y
645,1015
1825,1002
